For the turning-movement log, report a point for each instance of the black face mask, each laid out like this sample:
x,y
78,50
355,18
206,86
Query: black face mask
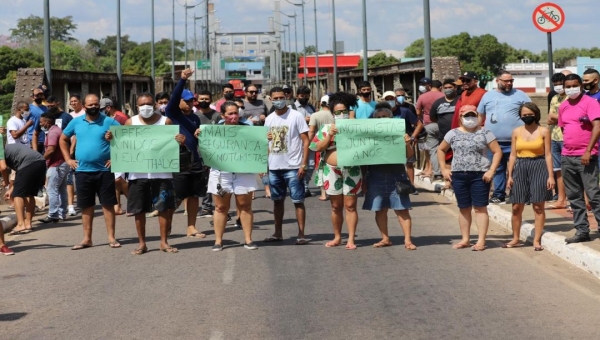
x,y
589,86
228,96
303,101
92,111
365,94
38,100
528,120
203,105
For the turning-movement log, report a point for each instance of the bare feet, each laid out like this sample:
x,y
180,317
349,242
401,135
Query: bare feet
x,y
461,245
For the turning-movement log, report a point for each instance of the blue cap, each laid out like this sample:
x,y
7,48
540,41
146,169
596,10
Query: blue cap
x,y
187,95
425,80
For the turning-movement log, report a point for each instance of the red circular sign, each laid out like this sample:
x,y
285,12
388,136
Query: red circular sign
x,y
548,17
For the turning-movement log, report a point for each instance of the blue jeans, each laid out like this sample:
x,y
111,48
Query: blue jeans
x,y
469,189
500,176
556,154
57,190
281,180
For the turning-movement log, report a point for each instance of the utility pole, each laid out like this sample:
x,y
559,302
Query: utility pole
x,y
427,38
365,50
119,71
335,70
173,46
318,94
47,54
153,72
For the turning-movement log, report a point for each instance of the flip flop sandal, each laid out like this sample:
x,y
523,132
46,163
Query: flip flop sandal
x,y
170,250
508,245
331,244
20,232
197,235
140,251
114,244
350,247
301,241
410,246
382,244
478,248
81,246
539,248
461,246
273,239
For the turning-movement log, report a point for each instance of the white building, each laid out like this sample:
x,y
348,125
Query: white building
x,y
530,77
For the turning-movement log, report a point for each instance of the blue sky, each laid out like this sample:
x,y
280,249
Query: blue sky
x,y
392,24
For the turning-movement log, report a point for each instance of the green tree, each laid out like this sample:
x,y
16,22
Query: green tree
x,y
12,59
379,59
32,28
309,50
71,56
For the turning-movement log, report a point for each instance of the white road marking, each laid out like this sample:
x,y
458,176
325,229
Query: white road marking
x,y
229,266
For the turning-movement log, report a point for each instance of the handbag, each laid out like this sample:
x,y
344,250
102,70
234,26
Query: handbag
x,y
185,159
404,187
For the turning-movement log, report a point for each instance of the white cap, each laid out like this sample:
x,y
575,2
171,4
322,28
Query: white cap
x,y
388,94
325,99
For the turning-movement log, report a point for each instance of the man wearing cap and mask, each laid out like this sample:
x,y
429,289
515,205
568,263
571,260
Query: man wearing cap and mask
x,y
36,109
471,95
424,103
107,107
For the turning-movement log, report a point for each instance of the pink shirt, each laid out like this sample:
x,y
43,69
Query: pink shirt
x,y
425,102
576,134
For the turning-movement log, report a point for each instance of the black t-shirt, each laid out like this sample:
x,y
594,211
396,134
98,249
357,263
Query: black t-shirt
x,y
442,111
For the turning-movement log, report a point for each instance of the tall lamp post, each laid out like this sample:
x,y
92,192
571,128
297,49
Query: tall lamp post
x,y
153,71
296,60
47,55
173,44
427,38
186,39
119,71
335,70
317,52
365,51
303,37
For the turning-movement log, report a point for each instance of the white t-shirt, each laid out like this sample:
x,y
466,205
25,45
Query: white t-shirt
x,y
77,114
16,124
135,120
286,148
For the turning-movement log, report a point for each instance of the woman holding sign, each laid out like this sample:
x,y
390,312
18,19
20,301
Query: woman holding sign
x,y
342,184
471,172
222,185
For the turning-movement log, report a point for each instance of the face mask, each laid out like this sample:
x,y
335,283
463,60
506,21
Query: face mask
x,y
232,119
400,100
559,89
365,94
303,101
528,120
342,116
92,111
422,89
392,103
38,100
45,129
589,86
241,112
448,92
279,104
25,114
146,111
228,96
470,122
162,108
573,92
204,105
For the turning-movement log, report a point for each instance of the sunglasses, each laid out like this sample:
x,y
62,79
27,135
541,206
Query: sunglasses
x,y
340,112
252,92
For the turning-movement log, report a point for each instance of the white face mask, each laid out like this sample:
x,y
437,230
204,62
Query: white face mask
x,y
392,103
162,107
573,92
241,112
470,122
342,116
422,89
559,89
146,111
25,114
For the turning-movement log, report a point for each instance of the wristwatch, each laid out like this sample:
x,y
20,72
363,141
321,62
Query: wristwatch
x,y
303,166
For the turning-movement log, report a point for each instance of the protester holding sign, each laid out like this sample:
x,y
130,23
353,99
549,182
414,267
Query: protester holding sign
x,y
471,172
150,191
342,184
388,187
223,184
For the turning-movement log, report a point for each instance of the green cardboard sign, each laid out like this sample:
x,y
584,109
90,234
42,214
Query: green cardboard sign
x,y
234,148
144,148
2,147
370,141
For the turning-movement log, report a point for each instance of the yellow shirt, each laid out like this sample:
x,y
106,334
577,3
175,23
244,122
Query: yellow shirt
x,y
555,131
529,148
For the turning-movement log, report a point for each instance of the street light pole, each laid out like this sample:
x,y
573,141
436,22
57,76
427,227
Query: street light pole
x,y
365,51
186,41
119,71
153,70
305,71
173,46
427,38
335,70
289,47
317,52
295,16
47,42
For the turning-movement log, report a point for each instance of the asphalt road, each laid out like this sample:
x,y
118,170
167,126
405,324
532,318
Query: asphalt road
x,y
286,291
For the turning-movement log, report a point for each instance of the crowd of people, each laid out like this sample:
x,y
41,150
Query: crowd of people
x,y
476,141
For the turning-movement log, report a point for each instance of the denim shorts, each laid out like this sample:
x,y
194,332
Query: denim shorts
x,y
556,154
281,180
470,189
381,192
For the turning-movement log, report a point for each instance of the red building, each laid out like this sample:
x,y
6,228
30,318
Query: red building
x,y
344,62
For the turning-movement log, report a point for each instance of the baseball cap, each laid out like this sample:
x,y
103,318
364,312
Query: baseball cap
x,y
467,108
187,95
458,82
388,94
425,80
469,75
325,99
104,102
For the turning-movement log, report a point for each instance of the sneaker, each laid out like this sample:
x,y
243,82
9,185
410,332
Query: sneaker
x,y
415,192
71,211
205,213
217,247
251,246
230,220
238,223
497,200
307,193
4,250
578,238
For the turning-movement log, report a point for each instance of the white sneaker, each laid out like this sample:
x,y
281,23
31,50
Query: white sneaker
x,y
71,211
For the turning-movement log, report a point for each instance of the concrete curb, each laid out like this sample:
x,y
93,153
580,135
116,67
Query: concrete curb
x,y
577,254
10,221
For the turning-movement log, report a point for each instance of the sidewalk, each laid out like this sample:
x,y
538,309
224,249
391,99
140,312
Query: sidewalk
x,y
559,226
9,221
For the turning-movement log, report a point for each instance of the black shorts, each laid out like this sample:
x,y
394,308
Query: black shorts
x,y
147,195
30,179
91,184
191,183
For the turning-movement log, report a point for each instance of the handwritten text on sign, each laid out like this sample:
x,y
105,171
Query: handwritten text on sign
x,y
234,148
144,148
370,141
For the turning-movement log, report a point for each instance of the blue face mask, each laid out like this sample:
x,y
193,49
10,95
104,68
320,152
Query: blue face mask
x,y
279,104
400,100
